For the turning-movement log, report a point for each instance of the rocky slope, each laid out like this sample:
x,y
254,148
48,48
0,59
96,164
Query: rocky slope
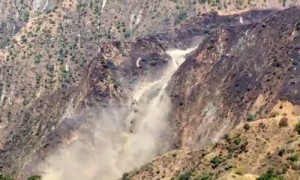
x,y
238,73
251,150
59,57
231,69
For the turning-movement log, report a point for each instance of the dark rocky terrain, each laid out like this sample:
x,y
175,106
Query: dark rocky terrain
x,y
237,74
231,69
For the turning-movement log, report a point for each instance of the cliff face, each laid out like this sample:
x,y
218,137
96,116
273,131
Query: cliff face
x,y
219,84
238,73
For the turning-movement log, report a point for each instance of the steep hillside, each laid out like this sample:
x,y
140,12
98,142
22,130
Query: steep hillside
x,y
232,69
238,74
255,149
60,58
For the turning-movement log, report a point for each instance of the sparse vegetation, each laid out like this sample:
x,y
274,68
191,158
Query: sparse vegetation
x,y
294,158
127,34
5,177
251,117
297,128
26,15
246,126
270,175
181,16
216,161
281,152
125,176
202,1
185,176
205,177
23,39
35,177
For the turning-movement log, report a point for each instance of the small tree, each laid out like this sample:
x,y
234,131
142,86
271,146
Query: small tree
x,y
35,177
294,158
281,152
216,161
125,176
270,175
283,122
251,117
297,128
185,176
26,15
5,177
246,126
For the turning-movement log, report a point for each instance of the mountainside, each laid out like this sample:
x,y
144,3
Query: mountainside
x,y
237,74
264,148
67,66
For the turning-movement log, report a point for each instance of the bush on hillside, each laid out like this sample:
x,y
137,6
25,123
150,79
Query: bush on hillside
x,y
294,158
246,126
251,117
205,177
5,177
283,122
281,152
36,177
297,128
270,175
185,176
125,176
216,161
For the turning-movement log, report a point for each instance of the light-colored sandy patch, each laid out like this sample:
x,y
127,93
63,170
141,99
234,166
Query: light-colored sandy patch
x,y
260,101
286,108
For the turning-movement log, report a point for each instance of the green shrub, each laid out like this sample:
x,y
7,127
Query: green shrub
x,y
281,152
237,141
294,158
297,128
227,137
246,126
204,177
181,16
270,175
185,176
35,177
202,1
23,39
5,177
26,15
127,34
125,176
216,161
251,117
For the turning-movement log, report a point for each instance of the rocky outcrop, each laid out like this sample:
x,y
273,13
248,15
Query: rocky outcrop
x,y
247,72
44,5
218,85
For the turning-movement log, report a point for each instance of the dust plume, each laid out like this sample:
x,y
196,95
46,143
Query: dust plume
x,y
121,138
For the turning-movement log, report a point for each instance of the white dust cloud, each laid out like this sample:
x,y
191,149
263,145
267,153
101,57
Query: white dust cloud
x,y
120,139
